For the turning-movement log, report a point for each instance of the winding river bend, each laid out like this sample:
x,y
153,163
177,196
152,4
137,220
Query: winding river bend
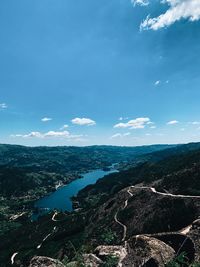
x,y
61,198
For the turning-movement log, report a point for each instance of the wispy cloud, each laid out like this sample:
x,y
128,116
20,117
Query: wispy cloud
x,y
195,122
83,121
157,83
45,119
49,134
123,118
119,135
138,123
173,122
3,106
178,9
140,2
65,126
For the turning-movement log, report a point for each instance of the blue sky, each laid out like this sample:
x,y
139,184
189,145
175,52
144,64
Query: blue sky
x,y
89,72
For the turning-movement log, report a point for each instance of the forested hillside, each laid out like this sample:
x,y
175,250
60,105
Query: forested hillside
x,y
155,202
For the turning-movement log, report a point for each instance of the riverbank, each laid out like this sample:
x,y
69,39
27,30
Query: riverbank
x,y
17,210
62,198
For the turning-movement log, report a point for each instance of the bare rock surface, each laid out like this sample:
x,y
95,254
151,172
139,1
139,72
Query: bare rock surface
x,y
143,250
91,260
109,250
194,234
45,262
139,251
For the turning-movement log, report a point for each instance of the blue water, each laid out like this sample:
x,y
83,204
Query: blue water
x,y
61,198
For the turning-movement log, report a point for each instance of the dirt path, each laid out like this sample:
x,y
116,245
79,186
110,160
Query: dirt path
x,y
164,194
12,259
53,217
14,217
153,190
124,226
120,223
54,229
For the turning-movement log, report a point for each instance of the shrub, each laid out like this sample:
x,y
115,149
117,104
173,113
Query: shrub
x,y
110,261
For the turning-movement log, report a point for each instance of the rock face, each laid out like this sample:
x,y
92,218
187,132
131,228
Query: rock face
x,y
147,251
119,252
91,260
102,251
194,234
138,251
45,262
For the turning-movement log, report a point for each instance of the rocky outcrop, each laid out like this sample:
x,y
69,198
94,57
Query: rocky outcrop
x,y
143,249
138,251
120,252
91,260
45,262
103,251
194,234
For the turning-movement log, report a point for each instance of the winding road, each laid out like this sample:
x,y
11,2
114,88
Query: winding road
x,y
54,229
53,217
13,258
153,190
164,194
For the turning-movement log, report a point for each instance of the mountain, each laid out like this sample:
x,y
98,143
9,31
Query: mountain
x,y
29,173
144,215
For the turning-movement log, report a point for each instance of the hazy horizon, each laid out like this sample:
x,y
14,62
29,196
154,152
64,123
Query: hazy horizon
x,y
153,144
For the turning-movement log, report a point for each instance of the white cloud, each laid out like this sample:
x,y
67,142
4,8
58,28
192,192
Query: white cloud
x,y
157,83
65,126
83,121
49,134
140,2
31,134
172,122
57,134
123,118
178,9
153,127
120,135
138,123
116,135
3,106
195,122
45,119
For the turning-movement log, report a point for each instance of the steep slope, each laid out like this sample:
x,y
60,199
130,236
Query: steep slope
x,y
28,173
181,161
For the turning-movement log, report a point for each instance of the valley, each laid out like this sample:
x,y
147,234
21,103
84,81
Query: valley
x,y
142,214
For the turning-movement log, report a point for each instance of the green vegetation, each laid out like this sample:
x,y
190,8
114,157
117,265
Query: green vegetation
x,y
110,261
28,173
182,261
178,170
108,237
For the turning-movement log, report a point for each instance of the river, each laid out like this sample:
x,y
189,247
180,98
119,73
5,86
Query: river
x,y
61,198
